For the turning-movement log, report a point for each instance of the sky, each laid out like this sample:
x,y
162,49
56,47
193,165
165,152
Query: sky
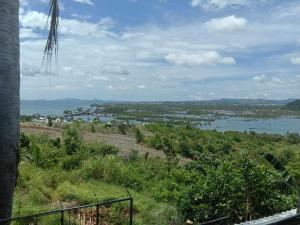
x,y
155,50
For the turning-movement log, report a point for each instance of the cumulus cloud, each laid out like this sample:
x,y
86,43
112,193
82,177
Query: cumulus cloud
x,y
33,19
295,60
204,58
229,23
104,57
28,33
89,2
37,20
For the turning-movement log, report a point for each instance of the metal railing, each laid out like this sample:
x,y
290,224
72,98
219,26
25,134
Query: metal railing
x,y
220,221
81,215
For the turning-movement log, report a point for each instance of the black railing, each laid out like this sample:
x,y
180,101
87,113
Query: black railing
x,y
220,221
82,215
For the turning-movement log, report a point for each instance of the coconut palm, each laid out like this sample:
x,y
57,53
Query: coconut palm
x,y
10,94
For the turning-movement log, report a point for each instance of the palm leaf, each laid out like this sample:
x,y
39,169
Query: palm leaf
x,y
52,40
287,183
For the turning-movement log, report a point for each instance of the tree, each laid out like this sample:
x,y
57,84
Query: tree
x,y
10,94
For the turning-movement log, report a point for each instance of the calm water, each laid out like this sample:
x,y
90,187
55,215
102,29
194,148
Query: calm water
x,y
272,126
56,108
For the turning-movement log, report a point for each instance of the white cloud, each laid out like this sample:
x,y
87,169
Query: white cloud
x,y
37,20
204,58
89,2
60,87
115,70
116,88
28,33
277,80
33,19
100,78
229,23
295,60
260,78
132,56
142,86
218,4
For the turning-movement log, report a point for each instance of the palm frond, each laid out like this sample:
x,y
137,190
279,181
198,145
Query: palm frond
x,y
286,184
51,47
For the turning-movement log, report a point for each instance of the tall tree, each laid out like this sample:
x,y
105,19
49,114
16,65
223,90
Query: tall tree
x,y
10,94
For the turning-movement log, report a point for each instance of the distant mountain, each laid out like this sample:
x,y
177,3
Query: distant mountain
x,y
71,103
294,105
250,101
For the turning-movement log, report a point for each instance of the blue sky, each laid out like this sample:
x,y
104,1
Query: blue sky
x,y
164,50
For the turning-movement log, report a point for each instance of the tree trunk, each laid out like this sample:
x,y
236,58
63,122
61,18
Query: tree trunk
x,y
9,102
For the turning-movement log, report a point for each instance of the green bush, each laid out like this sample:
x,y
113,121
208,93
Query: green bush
x,y
139,136
71,163
133,155
24,140
72,140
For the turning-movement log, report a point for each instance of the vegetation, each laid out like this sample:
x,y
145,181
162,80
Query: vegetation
x,y
229,175
294,105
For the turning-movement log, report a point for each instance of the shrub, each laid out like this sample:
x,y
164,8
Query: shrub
x,y
122,128
50,121
93,129
24,141
133,155
139,136
71,162
72,140
56,142
156,142
109,150
293,138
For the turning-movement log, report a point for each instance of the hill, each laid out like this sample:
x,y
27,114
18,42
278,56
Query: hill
x,y
294,105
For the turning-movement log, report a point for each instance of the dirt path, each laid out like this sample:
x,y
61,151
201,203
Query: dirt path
x,y
123,142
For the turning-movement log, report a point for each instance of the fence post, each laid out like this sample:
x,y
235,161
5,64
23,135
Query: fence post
x,y
131,212
97,215
62,221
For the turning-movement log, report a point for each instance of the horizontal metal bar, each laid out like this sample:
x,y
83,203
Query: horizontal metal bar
x,y
64,210
216,221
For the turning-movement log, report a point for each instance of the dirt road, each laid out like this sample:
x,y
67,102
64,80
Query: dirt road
x,y
123,142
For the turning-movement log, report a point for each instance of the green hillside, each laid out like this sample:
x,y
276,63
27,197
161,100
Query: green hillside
x,y
228,175
294,105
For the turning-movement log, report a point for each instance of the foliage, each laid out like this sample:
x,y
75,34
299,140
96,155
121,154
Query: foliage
x,y
50,121
72,140
227,177
139,137
294,105
24,141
